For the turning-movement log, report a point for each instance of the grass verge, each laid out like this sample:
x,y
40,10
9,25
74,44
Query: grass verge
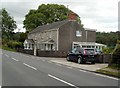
x,y
7,48
110,71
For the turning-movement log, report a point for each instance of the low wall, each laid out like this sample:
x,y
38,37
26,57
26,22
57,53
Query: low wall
x,y
104,58
31,52
52,53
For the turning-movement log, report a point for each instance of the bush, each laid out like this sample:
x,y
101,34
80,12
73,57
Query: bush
x,y
116,55
14,44
108,50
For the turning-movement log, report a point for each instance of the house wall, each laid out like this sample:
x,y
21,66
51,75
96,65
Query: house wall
x,y
76,27
43,36
91,36
67,35
65,38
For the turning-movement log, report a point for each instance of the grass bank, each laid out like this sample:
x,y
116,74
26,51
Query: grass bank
x,y
7,48
110,70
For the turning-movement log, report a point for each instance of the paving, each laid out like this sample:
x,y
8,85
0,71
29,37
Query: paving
x,y
87,66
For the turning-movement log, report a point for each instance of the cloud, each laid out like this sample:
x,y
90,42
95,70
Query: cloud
x,y
96,14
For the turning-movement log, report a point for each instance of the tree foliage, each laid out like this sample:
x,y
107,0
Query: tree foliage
x,y
116,54
8,25
109,39
45,14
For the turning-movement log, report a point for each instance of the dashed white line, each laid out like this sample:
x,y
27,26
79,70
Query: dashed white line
x,y
82,70
14,59
6,55
106,76
0,86
62,81
30,66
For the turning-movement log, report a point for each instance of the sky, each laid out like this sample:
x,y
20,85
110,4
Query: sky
x,y
101,15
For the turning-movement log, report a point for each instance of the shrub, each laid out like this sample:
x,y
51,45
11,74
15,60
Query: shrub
x,y
14,44
108,50
116,55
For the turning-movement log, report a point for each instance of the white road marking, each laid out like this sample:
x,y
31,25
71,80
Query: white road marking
x,y
14,59
6,55
0,86
62,81
106,76
30,66
82,70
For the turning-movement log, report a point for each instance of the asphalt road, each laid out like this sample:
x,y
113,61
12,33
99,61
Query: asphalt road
x,y
26,70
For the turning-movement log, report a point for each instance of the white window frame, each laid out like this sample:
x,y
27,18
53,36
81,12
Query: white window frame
x,y
78,33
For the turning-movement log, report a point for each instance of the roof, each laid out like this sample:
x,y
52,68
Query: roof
x,y
49,26
89,43
90,29
29,41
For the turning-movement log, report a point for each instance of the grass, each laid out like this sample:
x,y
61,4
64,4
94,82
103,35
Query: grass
x,y
112,71
114,66
7,48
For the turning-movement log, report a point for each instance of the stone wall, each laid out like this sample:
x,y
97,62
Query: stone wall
x,y
51,53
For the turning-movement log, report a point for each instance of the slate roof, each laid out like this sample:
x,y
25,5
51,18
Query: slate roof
x,y
49,26
30,41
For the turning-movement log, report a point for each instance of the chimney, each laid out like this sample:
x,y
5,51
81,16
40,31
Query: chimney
x,y
72,16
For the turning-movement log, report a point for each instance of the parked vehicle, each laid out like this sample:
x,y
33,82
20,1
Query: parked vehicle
x,y
94,50
81,55
98,52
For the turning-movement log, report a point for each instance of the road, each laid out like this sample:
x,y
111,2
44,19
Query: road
x,y
25,70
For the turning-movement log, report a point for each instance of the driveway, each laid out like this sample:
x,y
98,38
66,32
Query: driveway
x,y
87,66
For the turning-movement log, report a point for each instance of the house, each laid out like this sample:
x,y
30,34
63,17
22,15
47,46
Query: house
x,y
58,38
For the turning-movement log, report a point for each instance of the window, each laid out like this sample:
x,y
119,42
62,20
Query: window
x,y
78,33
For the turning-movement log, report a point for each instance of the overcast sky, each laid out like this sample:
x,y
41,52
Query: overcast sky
x,y
101,15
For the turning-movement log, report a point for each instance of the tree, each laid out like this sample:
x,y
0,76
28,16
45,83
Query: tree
x,y
8,25
45,14
109,39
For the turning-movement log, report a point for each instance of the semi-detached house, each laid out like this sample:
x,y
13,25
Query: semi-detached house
x,y
58,38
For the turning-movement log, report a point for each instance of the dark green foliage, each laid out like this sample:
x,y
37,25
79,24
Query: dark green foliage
x,y
8,25
108,39
19,36
108,50
116,55
14,45
45,14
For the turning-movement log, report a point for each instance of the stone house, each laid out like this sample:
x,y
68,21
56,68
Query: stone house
x,y
58,38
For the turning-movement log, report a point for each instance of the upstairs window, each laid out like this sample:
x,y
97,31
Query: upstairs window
x,y
78,33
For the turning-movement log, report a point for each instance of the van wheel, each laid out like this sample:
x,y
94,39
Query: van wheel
x,y
67,58
79,60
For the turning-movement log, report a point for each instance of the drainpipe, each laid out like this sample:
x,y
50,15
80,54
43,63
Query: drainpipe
x,y
86,35
35,48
